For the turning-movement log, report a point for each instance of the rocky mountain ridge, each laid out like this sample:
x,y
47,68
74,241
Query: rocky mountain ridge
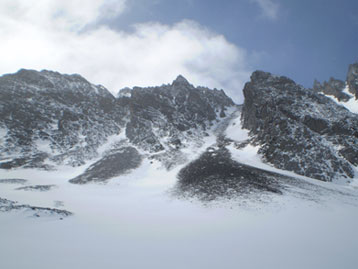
x,y
49,119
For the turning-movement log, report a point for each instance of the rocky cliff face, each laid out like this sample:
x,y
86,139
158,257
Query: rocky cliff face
x,y
49,116
299,130
49,119
169,116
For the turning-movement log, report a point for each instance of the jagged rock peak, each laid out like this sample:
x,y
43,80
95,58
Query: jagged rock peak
x,y
180,80
352,79
334,87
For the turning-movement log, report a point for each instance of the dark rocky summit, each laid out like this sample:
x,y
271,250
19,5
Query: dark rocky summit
x,y
172,111
299,130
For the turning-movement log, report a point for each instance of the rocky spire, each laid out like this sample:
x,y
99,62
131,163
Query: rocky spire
x,y
180,80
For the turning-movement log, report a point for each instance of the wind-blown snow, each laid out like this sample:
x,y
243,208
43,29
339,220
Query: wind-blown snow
x,y
234,131
111,140
43,145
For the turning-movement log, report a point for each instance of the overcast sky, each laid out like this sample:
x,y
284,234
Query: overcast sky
x,y
119,43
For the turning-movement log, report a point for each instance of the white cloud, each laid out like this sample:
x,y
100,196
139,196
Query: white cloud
x,y
52,35
71,15
269,8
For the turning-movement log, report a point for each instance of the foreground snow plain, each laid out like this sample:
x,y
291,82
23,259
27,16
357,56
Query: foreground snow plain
x,y
134,221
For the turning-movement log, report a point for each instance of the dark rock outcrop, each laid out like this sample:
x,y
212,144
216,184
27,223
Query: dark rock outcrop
x,y
352,79
13,181
299,130
114,164
214,174
35,211
333,87
40,188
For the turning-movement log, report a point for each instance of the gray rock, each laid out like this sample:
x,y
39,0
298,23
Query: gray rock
x,y
333,87
352,79
215,175
9,206
50,116
13,181
299,130
41,188
115,164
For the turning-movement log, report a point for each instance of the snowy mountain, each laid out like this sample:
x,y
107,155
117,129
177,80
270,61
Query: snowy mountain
x,y
177,176
216,148
49,119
